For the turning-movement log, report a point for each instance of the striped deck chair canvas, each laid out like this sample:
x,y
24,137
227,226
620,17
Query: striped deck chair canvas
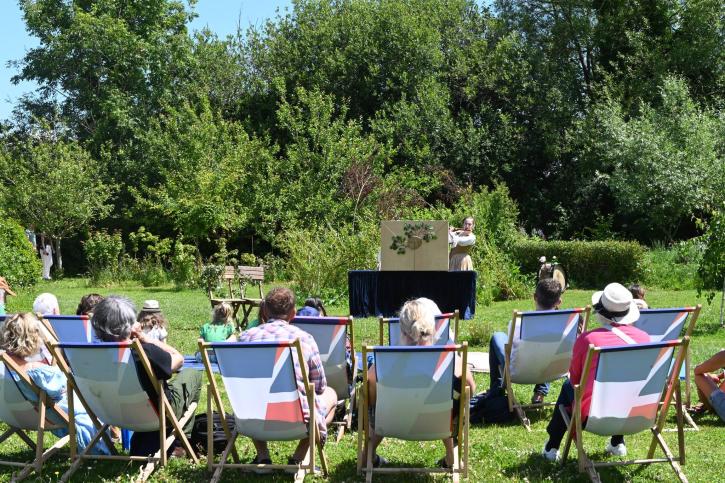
x,y
22,415
261,385
331,335
415,400
71,329
545,342
444,335
105,374
630,383
671,324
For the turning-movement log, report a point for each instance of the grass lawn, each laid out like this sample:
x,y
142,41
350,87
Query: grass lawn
x,y
498,453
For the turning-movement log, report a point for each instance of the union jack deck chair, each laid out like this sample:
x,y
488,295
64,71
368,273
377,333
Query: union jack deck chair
x,y
443,335
70,329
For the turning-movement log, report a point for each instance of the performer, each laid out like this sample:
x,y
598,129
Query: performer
x,y
461,241
46,256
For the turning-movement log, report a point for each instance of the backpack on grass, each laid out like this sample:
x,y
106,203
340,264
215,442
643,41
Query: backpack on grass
x,y
488,408
199,432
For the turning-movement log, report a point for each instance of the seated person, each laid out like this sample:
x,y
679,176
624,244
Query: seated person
x,y
220,329
87,303
711,386
546,297
313,307
114,320
21,339
616,311
279,307
46,304
638,294
417,328
152,321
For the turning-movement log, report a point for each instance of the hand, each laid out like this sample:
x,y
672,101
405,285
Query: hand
x,y
138,333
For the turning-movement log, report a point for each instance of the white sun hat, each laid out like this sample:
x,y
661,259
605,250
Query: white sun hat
x,y
615,304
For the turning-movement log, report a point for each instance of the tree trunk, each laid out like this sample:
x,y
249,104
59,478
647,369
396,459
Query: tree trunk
x,y
58,256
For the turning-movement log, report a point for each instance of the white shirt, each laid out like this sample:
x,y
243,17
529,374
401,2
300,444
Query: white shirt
x,y
462,240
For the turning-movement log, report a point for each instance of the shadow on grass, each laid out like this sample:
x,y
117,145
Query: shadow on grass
x,y
536,468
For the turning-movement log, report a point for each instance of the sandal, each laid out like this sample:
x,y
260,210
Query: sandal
x,y
698,408
379,461
441,463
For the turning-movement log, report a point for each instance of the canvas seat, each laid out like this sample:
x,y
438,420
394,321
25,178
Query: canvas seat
x,y
105,375
545,343
632,390
415,402
261,385
444,335
671,324
70,329
331,335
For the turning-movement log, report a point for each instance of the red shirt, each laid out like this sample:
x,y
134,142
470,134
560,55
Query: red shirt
x,y
599,338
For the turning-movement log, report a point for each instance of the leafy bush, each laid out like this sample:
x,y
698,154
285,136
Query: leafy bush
x,y
673,268
589,265
18,262
183,265
318,259
152,274
711,272
103,251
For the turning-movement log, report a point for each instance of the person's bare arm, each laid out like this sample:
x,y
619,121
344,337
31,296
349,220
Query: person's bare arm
x,y
177,359
712,364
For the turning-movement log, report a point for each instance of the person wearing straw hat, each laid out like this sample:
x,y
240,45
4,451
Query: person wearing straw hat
x,y
616,311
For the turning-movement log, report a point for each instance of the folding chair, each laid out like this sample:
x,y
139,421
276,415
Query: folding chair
x,y
331,334
70,329
631,384
443,334
670,324
545,342
22,415
105,375
415,402
261,384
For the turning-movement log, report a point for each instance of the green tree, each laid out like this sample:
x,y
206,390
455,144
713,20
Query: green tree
x,y
53,185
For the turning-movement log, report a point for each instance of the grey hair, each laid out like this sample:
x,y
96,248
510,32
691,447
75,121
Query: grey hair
x,y
46,304
112,318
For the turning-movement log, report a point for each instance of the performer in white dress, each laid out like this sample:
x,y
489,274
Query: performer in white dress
x,y
461,242
46,255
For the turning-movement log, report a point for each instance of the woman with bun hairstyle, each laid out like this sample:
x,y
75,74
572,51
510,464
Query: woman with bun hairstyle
x,y
417,328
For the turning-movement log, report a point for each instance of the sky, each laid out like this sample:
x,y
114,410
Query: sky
x,y
220,16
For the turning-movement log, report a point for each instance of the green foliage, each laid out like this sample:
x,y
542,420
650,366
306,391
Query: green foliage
x,y
495,214
711,272
19,263
318,258
183,265
673,268
103,251
590,265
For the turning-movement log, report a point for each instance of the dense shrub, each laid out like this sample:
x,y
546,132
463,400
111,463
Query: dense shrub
x,y
183,265
673,268
588,265
18,262
103,251
711,272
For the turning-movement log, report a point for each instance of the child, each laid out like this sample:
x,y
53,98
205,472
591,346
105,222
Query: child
x,y
313,307
87,303
638,296
220,329
152,321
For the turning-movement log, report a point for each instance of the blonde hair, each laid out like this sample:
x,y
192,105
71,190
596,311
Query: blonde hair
x,y
21,335
222,314
149,320
417,322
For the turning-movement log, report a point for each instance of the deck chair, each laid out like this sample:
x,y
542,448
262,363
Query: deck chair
x,y
70,329
261,384
545,342
22,415
443,329
415,402
632,391
670,324
331,334
105,375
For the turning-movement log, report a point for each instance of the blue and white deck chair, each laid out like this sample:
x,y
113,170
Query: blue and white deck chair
x,y
671,324
261,385
632,390
22,415
105,374
331,335
70,329
415,401
543,354
443,334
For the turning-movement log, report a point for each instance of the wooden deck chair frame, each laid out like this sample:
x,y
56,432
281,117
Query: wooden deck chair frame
x,y
247,275
385,321
694,313
43,406
214,399
460,451
346,423
514,404
670,388
226,278
164,409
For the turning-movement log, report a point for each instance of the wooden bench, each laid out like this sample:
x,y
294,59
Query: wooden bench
x,y
237,294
